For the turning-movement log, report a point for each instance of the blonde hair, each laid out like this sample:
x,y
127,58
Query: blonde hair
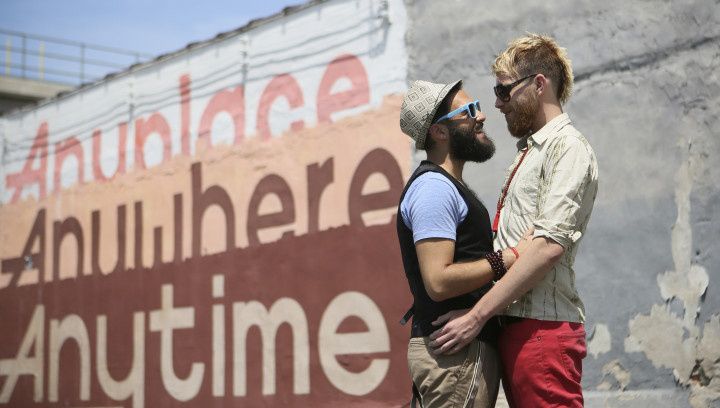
x,y
537,54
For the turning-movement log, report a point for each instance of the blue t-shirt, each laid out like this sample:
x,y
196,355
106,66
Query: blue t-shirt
x,y
432,207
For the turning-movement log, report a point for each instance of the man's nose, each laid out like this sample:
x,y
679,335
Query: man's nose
x,y
480,118
499,103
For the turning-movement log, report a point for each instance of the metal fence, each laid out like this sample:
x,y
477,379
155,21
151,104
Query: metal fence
x,y
62,61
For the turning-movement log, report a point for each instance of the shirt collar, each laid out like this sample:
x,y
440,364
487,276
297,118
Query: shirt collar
x,y
550,129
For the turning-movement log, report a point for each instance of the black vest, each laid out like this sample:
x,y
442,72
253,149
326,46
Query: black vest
x,y
473,240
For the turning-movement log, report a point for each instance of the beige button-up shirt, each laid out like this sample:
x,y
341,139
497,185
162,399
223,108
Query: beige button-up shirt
x,y
553,190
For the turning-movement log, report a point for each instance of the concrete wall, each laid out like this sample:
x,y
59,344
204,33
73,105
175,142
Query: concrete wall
x,y
647,98
18,92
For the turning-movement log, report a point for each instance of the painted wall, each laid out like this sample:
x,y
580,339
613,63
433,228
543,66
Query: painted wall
x,y
647,98
215,227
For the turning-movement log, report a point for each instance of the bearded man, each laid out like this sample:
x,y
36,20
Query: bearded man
x,y
446,245
551,186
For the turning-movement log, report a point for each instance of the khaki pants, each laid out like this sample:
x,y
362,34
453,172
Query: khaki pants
x,y
468,378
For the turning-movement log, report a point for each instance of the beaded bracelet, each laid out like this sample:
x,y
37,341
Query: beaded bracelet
x,y
496,264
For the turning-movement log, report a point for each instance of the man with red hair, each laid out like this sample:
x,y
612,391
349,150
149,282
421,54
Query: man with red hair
x,y
551,186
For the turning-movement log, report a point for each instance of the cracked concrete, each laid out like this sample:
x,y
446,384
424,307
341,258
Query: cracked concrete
x,y
634,62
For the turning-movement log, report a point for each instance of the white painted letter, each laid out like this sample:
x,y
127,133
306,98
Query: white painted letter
x,y
134,384
71,327
165,320
375,340
218,339
13,368
285,310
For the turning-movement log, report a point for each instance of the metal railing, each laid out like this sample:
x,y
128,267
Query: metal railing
x,y
63,61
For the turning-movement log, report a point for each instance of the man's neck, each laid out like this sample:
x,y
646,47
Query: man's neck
x,y
454,167
548,112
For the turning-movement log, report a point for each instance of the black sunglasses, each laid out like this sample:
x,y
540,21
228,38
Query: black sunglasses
x,y
503,91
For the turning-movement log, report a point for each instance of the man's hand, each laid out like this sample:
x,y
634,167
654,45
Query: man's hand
x,y
508,255
461,328
525,241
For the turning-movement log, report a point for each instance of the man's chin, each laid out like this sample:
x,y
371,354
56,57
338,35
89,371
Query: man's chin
x,y
482,159
517,132
511,127
481,155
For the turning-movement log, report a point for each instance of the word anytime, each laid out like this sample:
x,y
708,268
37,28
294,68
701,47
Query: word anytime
x,y
173,324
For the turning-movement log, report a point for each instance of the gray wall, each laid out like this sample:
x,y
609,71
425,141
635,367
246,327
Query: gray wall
x,y
646,96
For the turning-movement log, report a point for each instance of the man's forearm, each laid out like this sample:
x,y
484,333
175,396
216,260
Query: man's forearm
x,y
460,278
524,275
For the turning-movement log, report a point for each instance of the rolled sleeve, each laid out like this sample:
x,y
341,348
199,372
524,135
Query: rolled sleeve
x,y
568,173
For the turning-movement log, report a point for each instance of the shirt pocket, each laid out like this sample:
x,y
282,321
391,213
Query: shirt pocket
x,y
524,197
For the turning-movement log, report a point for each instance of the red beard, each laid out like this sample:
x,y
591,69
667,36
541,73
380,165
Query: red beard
x,y
522,114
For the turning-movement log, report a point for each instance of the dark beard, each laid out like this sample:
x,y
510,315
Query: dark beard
x,y
466,147
525,109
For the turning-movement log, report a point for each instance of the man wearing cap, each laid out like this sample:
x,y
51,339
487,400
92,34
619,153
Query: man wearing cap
x,y
551,186
446,245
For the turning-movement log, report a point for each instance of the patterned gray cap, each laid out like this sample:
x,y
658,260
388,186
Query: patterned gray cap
x,y
419,105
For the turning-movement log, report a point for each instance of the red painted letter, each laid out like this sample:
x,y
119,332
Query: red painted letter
x,y
231,102
28,175
271,184
144,128
63,149
377,161
185,114
97,149
345,66
282,85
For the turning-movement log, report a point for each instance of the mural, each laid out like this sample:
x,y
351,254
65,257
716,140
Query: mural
x,y
215,227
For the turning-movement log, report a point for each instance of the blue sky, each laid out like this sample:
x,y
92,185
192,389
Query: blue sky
x,y
148,26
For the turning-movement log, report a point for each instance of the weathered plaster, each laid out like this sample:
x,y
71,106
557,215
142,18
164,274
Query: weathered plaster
x,y
661,336
647,95
599,341
688,287
669,340
620,375
705,386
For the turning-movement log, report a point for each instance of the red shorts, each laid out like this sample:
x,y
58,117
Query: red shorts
x,y
542,363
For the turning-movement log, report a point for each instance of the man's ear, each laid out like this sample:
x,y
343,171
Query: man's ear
x,y
546,89
439,132
541,83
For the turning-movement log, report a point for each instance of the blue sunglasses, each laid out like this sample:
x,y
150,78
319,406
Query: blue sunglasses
x,y
471,108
